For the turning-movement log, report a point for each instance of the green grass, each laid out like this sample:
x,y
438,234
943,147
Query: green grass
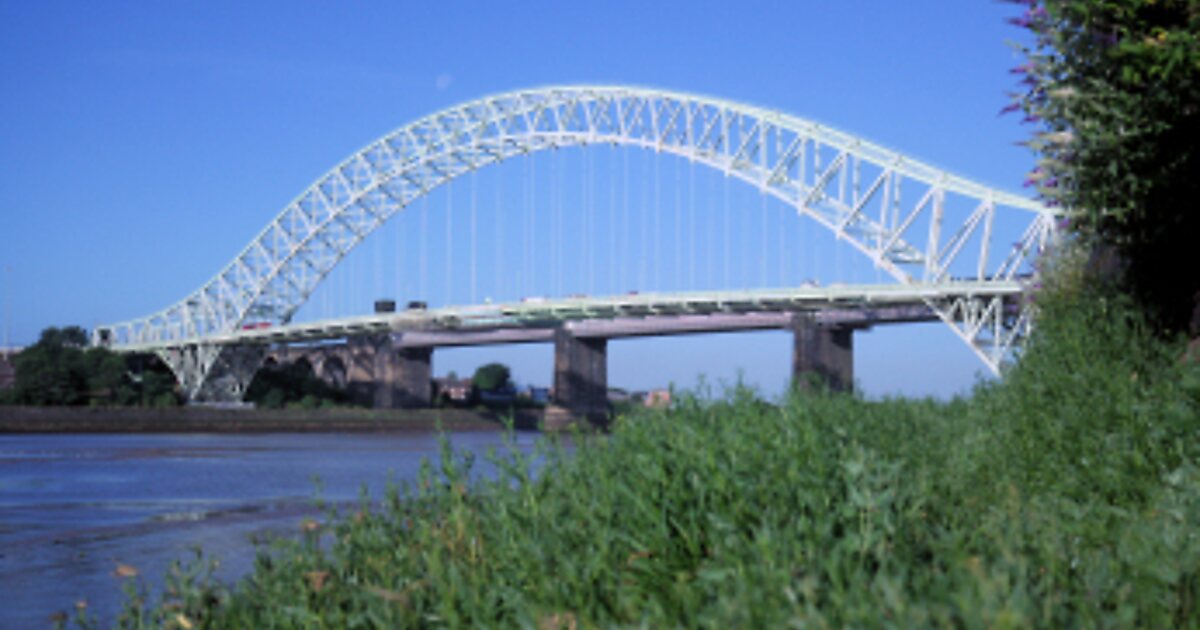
x,y
1068,494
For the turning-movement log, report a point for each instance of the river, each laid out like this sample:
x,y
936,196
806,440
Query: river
x,y
74,506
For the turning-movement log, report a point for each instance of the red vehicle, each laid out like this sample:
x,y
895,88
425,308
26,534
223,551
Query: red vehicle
x,y
256,325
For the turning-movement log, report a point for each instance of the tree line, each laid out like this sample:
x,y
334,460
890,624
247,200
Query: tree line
x,y
60,370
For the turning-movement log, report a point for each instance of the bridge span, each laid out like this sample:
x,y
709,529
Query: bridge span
x,y
386,358
394,369
959,249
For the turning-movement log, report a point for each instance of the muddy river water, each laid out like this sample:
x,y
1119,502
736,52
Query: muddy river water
x,y
73,507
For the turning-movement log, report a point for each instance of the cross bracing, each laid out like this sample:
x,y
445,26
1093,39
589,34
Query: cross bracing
x,y
891,208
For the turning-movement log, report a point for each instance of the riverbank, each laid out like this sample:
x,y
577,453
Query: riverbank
x,y
15,420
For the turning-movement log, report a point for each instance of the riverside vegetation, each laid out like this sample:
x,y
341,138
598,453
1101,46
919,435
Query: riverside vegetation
x,y
1066,494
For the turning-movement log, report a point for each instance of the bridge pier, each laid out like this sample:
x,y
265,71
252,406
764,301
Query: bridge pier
x,y
388,377
412,377
822,353
580,373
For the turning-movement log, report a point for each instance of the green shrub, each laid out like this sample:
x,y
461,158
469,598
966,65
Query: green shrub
x,y
1068,494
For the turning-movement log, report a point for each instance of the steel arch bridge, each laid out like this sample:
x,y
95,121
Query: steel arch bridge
x,y
850,186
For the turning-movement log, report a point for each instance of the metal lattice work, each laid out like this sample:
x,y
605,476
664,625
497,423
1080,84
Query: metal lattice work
x,y
849,185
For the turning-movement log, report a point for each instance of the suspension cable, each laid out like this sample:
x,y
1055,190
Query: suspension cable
x,y
678,244
612,221
400,249
727,283
657,225
473,242
498,250
644,268
692,224
588,242
762,213
449,255
423,266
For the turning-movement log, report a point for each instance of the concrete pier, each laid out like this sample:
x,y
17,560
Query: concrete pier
x,y
386,376
412,373
580,372
822,353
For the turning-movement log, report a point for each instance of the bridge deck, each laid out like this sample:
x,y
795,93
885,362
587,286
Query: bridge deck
x,y
620,316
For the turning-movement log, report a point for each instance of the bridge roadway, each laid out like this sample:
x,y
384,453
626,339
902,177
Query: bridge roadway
x,y
387,358
543,313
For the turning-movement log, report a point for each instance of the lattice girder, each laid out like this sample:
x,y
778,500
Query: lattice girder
x,y
816,169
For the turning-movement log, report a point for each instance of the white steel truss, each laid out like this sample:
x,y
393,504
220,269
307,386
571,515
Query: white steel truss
x,y
847,184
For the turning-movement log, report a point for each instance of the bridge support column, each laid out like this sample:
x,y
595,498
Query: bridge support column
x,y
359,358
411,378
580,373
388,377
822,353
214,374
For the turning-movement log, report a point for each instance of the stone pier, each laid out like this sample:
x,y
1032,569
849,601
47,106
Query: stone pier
x,y
413,376
580,372
386,376
822,353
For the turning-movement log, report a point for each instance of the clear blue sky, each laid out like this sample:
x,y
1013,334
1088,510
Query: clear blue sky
x,y
142,145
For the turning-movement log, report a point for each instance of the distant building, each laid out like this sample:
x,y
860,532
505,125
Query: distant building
x,y
452,390
657,398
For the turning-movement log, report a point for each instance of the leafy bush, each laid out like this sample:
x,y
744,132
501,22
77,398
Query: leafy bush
x,y
1066,495
1114,88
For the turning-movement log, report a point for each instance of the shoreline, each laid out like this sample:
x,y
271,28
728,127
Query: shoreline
x,y
27,420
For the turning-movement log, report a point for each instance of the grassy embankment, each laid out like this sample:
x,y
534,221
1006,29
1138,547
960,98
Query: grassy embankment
x,y
1066,495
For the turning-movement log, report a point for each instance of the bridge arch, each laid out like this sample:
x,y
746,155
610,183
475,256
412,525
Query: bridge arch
x,y
275,274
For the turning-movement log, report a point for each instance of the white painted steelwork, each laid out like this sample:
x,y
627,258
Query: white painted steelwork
x,y
781,154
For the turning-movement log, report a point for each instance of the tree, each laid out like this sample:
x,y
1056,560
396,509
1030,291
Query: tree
x,y
52,371
491,377
291,383
158,387
107,377
58,370
1114,87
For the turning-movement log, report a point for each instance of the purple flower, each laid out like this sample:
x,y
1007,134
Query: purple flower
x,y
1034,177
1032,118
1010,108
1022,22
1024,68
